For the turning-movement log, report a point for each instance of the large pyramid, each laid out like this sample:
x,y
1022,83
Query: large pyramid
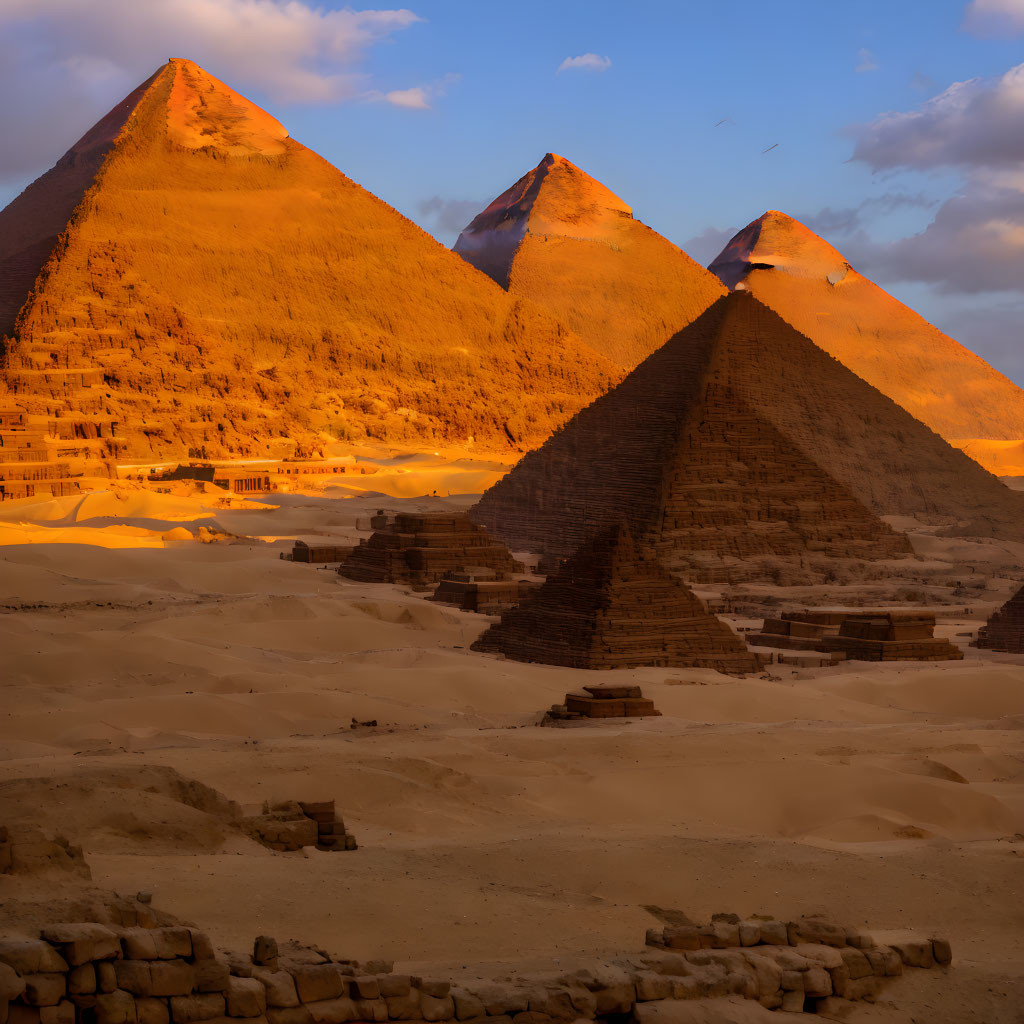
x,y
561,238
739,446
938,381
189,278
608,607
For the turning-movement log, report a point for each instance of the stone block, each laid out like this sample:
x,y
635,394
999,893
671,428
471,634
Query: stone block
x,y
264,950
11,983
768,974
202,947
864,988
289,1015
394,985
840,980
246,997
826,956
31,956
859,940
885,962
371,1009
133,976
171,978
792,981
774,933
617,998
379,966
405,1007
554,1003
365,987
280,986
502,1000
682,937
815,930
750,933
115,1008
792,1002
19,1013
172,943
915,953
152,1011
856,963
44,989
211,975
817,983
139,944
942,952
62,1013
436,1008
189,1009
655,937
467,1005
106,977
82,943
333,1011
584,1001
432,988
315,982
82,979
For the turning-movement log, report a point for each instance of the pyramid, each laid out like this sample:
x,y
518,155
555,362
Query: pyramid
x,y
561,238
938,381
609,607
738,444
194,280
1004,631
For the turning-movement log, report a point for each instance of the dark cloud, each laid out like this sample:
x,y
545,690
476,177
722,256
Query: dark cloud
x,y
448,216
843,220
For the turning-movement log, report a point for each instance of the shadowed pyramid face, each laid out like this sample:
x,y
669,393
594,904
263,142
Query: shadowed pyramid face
x,y
220,289
561,238
809,283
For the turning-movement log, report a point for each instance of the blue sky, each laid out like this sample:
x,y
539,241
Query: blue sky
x,y
439,108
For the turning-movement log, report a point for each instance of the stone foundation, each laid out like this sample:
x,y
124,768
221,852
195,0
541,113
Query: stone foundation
x,y
602,702
292,825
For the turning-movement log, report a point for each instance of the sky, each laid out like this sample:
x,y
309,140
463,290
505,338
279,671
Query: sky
x,y
894,128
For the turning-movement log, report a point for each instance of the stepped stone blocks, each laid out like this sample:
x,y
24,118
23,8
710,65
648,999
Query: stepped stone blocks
x,y
92,973
303,552
1004,631
740,439
602,702
612,606
475,589
859,636
192,274
419,549
807,282
294,824
563,240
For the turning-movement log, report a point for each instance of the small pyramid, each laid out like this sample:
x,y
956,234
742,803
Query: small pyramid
x,y
740,450
811,285
562,239
610,607
189,280
1004,630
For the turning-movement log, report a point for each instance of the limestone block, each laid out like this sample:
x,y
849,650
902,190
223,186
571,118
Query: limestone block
x,y
371,1009
106,977
133,976
864,988
859,940
405,1007
712,981
772,1002
434,989
379,966
655,937
817,982
615,999
264,950
31,956
82,979
289,1015
246,997
815,930
189,1009
81,943
682,937
139,944
942,952
774,933
11,983
750,933
555,1003
280,988
856,963
885,962
44,989
365,987
202,947
62,1013
467,1005
826,956
19,1013
768,974
840,980
173,942
333,1011
501,1000
211,975
152,1011
115,1008
394,985
792,1002
915,953
315,982
171,978
682,988
792,981
435,1008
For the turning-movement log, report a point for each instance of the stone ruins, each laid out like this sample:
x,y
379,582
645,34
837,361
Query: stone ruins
x,y
138,969
303,552
741,451
476,589
420,548
602,702
1004,631
609,606
293,824
859,636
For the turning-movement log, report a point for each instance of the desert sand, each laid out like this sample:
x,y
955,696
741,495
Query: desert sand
x,y
889,797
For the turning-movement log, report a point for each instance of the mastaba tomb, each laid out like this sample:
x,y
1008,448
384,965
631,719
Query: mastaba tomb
x,y
859,636
420,548
602,701
611,605
1004,631
740,446
475,588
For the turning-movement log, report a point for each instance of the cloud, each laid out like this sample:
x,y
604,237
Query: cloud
x,y
866,61
708,244
844,220
994,17
979,122
585,62
69,61
449,216
413,99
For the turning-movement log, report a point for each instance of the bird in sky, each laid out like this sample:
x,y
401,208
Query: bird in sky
x,y
769,149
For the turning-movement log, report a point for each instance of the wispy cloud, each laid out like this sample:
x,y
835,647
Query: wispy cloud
x,y
994,17
449,216
585,62
866,61
418,97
